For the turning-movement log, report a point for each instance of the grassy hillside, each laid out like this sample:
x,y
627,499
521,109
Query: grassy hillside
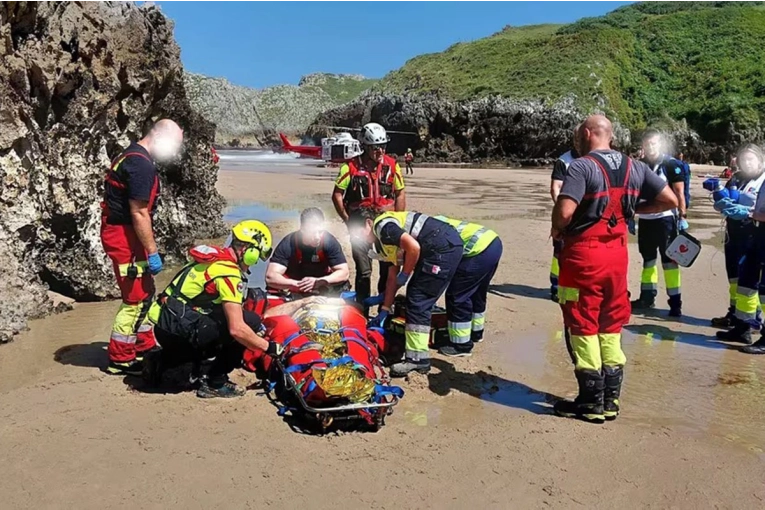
x,y
700,61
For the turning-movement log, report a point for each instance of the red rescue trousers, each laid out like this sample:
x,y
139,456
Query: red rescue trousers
x,y
593,296
131,330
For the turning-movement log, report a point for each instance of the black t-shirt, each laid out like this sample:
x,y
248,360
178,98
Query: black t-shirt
x,y
560,167
286,254
138,174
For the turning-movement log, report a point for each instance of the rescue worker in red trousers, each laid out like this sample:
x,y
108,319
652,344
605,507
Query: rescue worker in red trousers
x,y
601,192
200,316
371,181
424,249
131,189
560,167
469,288
309,261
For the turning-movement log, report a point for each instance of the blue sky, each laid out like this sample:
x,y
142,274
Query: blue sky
x,y
258,44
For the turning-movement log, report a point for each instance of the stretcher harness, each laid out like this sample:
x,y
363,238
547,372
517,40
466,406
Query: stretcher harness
x,y
330,368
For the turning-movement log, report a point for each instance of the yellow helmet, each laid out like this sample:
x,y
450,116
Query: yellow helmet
x,y
258,235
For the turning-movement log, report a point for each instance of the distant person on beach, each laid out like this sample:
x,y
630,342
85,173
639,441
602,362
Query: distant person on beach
x,y
309,261
131,189
408,158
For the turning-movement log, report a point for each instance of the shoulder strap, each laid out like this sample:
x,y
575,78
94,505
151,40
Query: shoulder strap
x,y
623,169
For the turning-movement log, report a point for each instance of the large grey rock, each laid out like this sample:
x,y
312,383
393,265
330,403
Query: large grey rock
x,y
486,129
78,82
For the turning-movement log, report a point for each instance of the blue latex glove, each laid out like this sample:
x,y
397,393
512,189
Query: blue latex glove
x,y
682,224
402,278
631,226
155,263
379,321
736,212
723,204
374,300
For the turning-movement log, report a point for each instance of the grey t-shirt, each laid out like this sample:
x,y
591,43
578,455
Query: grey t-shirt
x,y
585,184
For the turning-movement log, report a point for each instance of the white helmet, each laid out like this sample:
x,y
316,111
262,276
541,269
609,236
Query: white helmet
x,y
373,134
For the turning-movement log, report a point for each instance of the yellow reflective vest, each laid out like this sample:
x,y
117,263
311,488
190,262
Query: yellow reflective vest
x,y
475,238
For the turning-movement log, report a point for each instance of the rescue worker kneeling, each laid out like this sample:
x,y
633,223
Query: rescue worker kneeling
x,y
424,249
469,288
200,316
600,194
309,261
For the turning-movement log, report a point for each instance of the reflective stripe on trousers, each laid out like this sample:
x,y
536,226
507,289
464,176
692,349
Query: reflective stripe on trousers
x,y
417,338
591,352
649,278
478,321
459,332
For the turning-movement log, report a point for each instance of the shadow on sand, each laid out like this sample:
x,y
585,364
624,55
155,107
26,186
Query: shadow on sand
x,y
508,290
489,388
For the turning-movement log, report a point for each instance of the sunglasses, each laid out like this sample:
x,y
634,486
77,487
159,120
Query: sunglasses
x,y
378,147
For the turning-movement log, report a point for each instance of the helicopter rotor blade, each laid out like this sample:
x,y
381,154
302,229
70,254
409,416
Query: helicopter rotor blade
x,y
346,128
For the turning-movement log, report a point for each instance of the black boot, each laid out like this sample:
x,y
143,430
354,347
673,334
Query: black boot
x,y
741,332
675,306
588,405
646,301
612,379
727,321
153,367
756,348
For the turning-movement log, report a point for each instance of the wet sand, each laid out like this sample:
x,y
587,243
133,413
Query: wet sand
x,y
476,431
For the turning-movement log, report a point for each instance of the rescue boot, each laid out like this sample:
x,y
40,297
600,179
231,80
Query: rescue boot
x,y
727,321
756,348
476,336
675,306
646,301
588,405
153,367
133,367
457,350
741,332
402,368
554,293
225,390
612,382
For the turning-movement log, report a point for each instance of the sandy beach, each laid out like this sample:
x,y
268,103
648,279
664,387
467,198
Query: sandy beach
x,y
476,431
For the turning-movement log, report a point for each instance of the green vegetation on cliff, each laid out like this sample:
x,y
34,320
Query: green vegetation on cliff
x,y
703,62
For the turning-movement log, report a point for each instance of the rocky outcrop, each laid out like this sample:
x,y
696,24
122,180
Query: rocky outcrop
x,y
78,82
254,116
490,129
495,129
